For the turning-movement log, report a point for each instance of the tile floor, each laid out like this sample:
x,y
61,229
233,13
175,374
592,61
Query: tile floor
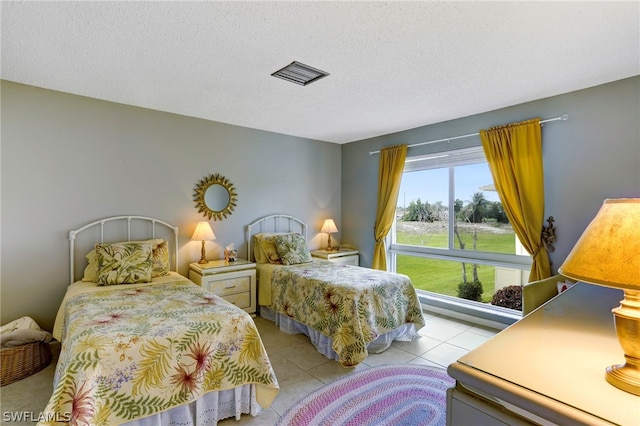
x,y
299,367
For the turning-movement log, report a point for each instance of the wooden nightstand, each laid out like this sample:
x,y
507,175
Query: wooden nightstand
x,y
233,281
344,257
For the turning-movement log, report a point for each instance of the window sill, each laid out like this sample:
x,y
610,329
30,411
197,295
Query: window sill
x,y
482,314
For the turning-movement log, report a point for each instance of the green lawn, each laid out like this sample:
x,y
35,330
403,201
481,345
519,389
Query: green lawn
x,y
443,277
497,243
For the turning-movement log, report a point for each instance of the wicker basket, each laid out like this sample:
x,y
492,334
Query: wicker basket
x,y
23,361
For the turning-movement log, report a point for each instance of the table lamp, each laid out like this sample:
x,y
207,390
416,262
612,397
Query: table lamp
x,y
608,254
329,227
203,233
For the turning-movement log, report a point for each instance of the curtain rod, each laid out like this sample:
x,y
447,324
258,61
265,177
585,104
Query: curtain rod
x,y
563,117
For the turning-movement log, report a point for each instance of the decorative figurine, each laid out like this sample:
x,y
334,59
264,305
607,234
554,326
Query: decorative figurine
x,y
230,254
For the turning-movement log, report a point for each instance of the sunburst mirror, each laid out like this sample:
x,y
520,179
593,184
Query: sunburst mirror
x,y
215,197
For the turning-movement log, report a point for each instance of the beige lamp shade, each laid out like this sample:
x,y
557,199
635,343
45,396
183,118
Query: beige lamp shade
x,y
329,227
203,232
608,253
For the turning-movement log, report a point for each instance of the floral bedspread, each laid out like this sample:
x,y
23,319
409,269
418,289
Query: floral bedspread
x,y
350,304
132,351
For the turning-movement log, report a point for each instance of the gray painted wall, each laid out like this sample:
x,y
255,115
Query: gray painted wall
x,y
593,156
69,160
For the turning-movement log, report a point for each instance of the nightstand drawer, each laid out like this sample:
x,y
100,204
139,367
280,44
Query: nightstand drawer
x,y
343,257
223,286
241,300
233,281
347,260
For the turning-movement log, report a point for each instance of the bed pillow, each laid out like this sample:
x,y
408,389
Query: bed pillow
x,y
160,255
264,247
258,255
269,249
293,249
160,259
124,263
91,271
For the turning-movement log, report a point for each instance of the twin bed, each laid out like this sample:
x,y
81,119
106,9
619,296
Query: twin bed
x,y
142,345
347,311
142,351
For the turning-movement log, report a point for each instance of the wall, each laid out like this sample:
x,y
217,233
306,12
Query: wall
x,y
590,157
69,160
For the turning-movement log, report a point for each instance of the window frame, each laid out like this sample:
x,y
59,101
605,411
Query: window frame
x,y
468,308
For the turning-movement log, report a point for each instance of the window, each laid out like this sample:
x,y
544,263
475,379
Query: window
x,y
451,235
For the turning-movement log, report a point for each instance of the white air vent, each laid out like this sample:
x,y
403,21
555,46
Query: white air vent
x,y
299,73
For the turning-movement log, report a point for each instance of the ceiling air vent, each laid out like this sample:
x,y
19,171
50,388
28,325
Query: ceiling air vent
x,y
299,73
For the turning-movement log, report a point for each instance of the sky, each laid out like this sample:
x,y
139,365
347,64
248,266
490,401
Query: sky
x,y
433,185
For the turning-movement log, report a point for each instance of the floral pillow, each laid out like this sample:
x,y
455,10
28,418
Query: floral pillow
x,y
160,258
159,253
124,263
265,250
293,249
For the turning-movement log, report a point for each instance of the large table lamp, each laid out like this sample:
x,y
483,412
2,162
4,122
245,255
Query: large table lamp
x,y
608,254
329,227
203,233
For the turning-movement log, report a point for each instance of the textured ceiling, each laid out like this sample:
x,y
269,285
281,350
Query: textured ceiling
x,y
393,65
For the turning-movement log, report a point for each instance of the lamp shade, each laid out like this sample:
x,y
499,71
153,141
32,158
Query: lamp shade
x,y
203,232
329,227
608,252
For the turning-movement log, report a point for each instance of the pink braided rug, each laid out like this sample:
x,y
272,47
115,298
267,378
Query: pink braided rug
x,y
387,395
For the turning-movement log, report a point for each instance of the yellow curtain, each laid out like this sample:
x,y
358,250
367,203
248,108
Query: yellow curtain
x,y
389,178
514,154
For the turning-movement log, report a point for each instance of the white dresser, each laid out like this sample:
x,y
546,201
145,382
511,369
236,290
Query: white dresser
x,y
548,368
233,281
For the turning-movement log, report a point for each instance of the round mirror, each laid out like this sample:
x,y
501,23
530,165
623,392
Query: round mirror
x,y
215,197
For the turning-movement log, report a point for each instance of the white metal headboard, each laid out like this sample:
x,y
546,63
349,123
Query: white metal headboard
x,y
128,219
274,223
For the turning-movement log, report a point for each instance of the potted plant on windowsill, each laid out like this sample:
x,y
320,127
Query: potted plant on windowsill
x,y
508,297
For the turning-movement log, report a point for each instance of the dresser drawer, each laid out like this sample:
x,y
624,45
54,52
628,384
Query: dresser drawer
x,y
241,300
223,286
